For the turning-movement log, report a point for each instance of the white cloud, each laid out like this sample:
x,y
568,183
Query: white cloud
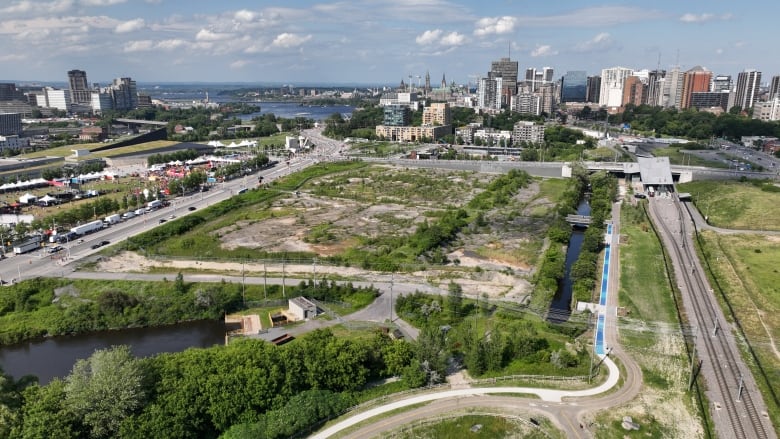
x,y
244,15
288,40
101,2
704,17
428,37
171,44
543,50
23,6
139,46
494,25
438,37
693,18
600,41
12,57
238,64
719,51
130,26
207,35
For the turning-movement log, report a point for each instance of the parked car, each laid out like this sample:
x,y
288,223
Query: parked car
x,y
95,246
191,208
162,220
55,249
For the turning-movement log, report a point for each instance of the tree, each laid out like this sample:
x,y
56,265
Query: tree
x,y
104,389
45,414
454,298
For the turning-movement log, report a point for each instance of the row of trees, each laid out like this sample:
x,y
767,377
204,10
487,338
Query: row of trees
x,y
689,123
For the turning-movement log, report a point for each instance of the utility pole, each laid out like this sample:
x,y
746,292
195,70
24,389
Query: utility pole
x,y
283,279
243,284
693,363
265,283
392,278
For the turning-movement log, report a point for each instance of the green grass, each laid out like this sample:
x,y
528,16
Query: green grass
x,y
745,267
753,205
493,426
676,157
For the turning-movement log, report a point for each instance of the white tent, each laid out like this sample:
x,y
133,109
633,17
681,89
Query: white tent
x,y
232,145
28,198
216,143
48,200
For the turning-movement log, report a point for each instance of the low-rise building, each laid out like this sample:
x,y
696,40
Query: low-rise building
x,y
13,142
767,111
412,134
527,132
10,124
301,308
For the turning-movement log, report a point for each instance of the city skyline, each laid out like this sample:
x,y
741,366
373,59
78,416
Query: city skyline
x,y
380,41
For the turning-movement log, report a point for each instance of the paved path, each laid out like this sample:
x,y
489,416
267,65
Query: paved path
x,y
548,395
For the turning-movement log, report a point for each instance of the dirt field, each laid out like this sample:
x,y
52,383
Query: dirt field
x,y
493,259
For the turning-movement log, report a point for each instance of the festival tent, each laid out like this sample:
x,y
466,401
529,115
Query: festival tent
x,y
48,200
28,198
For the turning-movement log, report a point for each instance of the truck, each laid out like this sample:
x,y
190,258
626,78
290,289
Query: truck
x,y
112,219
87,228
152,205
27,245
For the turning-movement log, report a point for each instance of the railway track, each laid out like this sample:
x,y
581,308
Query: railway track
x,y
736,405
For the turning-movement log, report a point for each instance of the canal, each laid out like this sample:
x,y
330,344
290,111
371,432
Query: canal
x,y
54,357
560,308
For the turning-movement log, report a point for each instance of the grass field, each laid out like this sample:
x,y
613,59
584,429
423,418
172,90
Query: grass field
x,y
484,426
650,334
746,270
678,158
753,205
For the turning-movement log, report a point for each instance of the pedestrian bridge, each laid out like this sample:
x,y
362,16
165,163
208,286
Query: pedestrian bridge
x,y
578,220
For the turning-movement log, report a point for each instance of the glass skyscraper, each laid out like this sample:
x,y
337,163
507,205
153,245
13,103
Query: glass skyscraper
x,y
574,85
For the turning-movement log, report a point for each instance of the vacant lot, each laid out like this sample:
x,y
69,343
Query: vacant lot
x,y
348,211
737,205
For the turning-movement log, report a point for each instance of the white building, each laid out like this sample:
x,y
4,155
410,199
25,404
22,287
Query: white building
x,y
410,99
672,91
528,132
526,103
490,136
101,102
612,81
489,93
59,99
302,308
767,111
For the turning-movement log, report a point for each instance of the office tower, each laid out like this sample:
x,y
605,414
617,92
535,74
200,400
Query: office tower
x,y
695,80
546,94
59,99
79,87
593,89
655,85
124,94
746,94
774,87
397,115
8,92
672,91
634,91
709,99
101,101
10,124
574,86
612,80
547,74
507,70
721,83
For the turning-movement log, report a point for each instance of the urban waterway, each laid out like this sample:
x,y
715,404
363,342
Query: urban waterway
x,y
291,110
560,309
54,357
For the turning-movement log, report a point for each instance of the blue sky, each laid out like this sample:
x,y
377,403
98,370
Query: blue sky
x,y
375,41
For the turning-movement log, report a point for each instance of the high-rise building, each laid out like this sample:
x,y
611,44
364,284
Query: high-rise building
x,y
101,101
721,83
710,99
774,88
526,103
489,93
593,89
536,78
10,124
57,98
767,111
124,94
527,132
546,94
695,80
79,87
397,115
505,69
8,92
672,91
655,86
574,85
612,80
438,113
634,91
746,94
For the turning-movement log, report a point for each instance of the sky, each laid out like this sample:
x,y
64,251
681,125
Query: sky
x,y
302,42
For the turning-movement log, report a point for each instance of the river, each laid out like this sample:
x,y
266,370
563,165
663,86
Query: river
x,y
560,309
291,110
54,357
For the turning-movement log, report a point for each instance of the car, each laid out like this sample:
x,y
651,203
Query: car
x,y
172,217
55,249
191,208
95,246
102,243
162,220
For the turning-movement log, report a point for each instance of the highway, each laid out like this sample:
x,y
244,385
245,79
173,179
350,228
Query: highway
x,y
736,405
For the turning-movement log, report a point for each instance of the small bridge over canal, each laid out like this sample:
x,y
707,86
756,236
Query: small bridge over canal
x,y
578,220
